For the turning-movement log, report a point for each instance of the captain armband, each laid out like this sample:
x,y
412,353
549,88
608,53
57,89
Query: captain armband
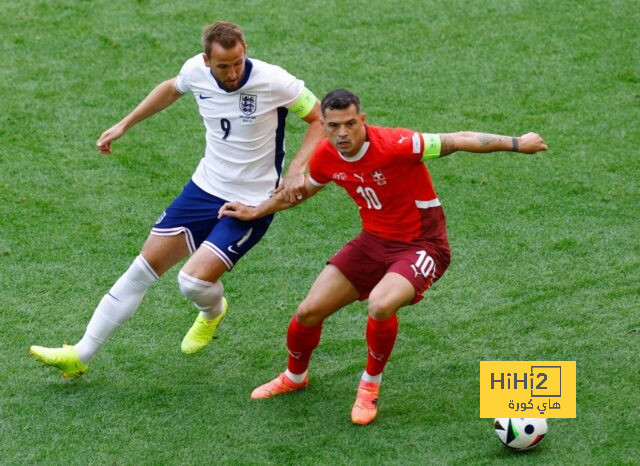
x,y
304,104
432,146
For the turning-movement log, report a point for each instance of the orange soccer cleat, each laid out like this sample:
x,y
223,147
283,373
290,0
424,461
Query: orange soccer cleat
x,y
366,406
278,386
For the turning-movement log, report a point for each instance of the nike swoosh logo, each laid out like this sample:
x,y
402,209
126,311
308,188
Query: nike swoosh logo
x,y
402,138
230,248
203,97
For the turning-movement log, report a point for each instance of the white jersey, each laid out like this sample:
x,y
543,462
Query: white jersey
x,y
244,152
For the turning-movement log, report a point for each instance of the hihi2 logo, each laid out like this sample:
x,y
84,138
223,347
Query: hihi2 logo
x,y
528,389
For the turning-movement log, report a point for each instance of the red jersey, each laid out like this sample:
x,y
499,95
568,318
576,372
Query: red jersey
x,y
388,181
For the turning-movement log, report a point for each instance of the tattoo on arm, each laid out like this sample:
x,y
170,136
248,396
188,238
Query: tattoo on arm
x,y
446,145
496,142
473,142
486,139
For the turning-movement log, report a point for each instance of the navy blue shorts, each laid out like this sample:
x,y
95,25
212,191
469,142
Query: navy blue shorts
x,y
195,213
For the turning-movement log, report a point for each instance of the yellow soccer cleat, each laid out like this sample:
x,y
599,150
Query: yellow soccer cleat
x,y
202,331
366,406
278,386
64,359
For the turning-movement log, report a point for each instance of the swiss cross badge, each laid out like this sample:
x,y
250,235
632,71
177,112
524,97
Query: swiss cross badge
x,y
378,177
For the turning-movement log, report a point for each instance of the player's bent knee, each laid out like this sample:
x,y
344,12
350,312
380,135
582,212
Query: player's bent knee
x,y
203,293
307,314
380,310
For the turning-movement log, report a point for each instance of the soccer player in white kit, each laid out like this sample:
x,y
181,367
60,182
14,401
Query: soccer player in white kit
x,y
244,103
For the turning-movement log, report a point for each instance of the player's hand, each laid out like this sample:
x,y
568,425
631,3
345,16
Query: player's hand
x,y
293,185
104,141
237,210
531,143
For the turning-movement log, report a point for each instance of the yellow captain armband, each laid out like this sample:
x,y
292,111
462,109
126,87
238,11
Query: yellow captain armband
x,y
304,104
431,146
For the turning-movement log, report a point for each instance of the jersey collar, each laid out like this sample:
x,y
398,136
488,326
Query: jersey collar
x,y
245,77
360,153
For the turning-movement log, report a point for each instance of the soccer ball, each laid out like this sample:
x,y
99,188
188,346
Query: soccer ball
x,y
520,433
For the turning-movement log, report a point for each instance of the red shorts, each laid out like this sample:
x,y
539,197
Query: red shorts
x,y
367,258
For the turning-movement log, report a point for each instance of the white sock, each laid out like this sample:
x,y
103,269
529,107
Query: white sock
x,y
297,378
206,296
116,307
377,379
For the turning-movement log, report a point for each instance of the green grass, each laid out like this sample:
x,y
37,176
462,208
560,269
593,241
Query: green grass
x,y
546,249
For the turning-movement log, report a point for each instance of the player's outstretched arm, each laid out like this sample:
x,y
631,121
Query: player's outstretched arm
x,y
468,141
293,182
158,99
279,201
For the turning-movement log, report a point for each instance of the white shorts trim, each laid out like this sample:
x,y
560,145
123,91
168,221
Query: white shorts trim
x,y
220,253
428,204
188,237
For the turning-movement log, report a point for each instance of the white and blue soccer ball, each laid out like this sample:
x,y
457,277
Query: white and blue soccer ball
x,y
520,433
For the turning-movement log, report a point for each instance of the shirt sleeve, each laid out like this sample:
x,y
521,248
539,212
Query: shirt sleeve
x,y
317,175
406,143
183,84
285,88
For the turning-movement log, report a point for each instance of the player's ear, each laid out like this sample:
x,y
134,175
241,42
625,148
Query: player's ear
x,y
363,117
206,60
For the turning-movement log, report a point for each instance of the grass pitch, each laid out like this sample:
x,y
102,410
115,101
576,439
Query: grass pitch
x,y
545,248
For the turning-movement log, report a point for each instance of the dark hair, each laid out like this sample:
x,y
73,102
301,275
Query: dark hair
x,y
224,33
339,100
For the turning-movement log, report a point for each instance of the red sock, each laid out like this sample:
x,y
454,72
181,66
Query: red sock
x,y
301,341
381,336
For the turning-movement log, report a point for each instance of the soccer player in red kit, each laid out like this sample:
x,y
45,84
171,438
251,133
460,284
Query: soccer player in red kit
x,y
402,248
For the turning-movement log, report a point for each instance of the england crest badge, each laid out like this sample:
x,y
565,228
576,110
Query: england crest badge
x,y
248,103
